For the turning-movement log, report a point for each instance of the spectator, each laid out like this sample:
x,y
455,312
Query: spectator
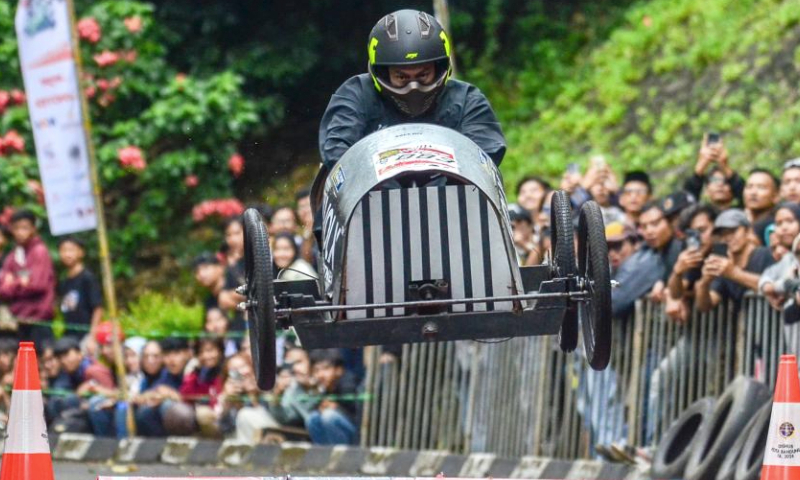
x,y
159,395
8,357
283,221
233,246
697,223
571,182
204,384
635,194
673,205
293,401
216,324
334,420
49,367
729,277
787,228
522,231
228,299
622,243
79,290
242,410
790,181
209,274
309,251
287,262
132,356
602,194
73,367
761,193
5,238
723,185
648,269
101,385
27,280
531,195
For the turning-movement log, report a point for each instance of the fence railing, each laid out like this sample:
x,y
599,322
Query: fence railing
x,y
522,396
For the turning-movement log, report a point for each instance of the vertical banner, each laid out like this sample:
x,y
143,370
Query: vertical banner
x,y
53,91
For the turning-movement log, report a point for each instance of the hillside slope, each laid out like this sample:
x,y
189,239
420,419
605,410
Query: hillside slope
x,y
674,70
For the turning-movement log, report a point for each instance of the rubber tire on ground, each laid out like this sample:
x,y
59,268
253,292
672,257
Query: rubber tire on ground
x,y
593,269
562,254
260,298
752,455
727,470
675,447
737,405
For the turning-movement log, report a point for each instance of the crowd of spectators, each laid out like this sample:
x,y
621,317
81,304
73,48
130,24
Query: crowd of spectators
x,y
201,384
718,237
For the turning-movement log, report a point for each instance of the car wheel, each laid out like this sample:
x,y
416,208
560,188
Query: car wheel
x,y
562,254
749,462
260,297
593,271
737,405
675,447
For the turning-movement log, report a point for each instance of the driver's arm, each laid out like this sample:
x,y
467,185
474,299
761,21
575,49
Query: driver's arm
x,y
342,124
479,124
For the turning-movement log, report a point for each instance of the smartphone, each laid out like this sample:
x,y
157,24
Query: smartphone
x,y
574,169
598,162
692,239
720,249
712,137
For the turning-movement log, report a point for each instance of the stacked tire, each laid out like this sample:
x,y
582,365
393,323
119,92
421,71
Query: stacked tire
x,y
717,440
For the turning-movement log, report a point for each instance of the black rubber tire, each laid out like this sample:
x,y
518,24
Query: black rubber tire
x,y
260,298
752,455
737,405
593,269
727,470
562,254
675,447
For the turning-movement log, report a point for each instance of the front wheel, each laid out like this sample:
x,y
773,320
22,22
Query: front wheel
x,y
260,303
594,272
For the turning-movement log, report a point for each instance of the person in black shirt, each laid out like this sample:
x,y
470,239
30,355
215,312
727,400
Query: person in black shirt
x,y
334,421
209,274
79,291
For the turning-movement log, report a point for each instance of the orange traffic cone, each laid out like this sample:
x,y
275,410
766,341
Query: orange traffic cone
x,y
26,455
782,453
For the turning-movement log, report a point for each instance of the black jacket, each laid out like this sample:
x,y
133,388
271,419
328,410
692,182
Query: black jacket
x,y
357,110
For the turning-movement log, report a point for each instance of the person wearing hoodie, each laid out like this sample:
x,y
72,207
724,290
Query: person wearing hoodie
x,y
28,280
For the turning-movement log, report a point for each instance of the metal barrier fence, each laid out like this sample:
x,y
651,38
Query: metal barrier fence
x,y
522,396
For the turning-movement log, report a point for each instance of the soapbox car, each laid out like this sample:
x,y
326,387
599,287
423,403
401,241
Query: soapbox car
x,y
416,246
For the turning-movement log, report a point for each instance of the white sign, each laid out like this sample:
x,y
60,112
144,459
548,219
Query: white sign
x,y
414,158
51,85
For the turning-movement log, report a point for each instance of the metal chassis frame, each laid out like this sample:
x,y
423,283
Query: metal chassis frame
x,y
300,306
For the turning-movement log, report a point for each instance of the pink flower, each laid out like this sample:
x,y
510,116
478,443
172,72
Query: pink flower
x,y
89,29
191,181
17,97
12,142
102,84
133,24
106,58
226,207
107,99
236,165
36,187
131,158
5,100
115,82
129,55
90,91
5,215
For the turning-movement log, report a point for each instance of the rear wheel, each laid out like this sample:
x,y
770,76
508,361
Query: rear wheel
x,y
260,298
562,254
594,272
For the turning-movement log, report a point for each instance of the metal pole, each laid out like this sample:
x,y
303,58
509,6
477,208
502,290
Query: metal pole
x,y
102,237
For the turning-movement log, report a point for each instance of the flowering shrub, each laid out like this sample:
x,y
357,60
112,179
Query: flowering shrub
x,y
165,141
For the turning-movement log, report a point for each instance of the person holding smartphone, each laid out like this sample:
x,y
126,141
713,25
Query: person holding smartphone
x,y
697,225
723,185
735,264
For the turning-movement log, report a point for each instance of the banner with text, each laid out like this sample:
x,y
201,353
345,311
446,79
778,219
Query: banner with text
x,y
48,67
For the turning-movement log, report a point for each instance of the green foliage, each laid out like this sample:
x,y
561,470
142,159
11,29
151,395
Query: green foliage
x,y
154,315
674,70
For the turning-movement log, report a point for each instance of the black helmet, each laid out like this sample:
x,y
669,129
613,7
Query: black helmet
x,y
409,37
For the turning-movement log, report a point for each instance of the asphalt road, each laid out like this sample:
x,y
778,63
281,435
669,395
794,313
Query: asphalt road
x,y
83,471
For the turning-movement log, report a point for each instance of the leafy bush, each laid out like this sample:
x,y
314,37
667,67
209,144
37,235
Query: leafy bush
x,y
154,315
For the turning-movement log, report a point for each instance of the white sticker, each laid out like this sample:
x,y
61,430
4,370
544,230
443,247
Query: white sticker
x,y
783,438
414,158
